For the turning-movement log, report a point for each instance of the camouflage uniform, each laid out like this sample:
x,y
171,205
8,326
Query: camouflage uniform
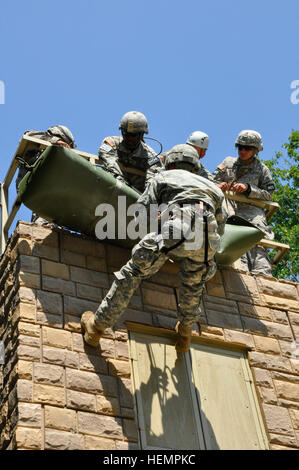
x,y
62,133
201,171
260,186
182,191
133,167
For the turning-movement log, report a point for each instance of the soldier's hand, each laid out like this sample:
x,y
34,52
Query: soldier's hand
x,y
63,144
239,188
224,186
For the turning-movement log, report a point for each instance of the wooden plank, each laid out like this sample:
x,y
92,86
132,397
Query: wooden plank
x,y
225,397
270,206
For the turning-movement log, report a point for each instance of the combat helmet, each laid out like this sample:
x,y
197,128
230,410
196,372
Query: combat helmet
x,y
182,153
134,122
64,134
250,138
198,139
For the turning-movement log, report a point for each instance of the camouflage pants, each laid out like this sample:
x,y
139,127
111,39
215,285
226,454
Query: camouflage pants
x,y
148,257
257,261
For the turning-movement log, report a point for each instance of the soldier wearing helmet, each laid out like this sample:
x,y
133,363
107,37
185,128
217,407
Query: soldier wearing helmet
x,y
186,197
249,176
56,135
200,141
127,157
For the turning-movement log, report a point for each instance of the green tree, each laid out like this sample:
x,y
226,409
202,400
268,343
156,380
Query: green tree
x,y
285,172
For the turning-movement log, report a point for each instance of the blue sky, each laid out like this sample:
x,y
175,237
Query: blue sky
x,y
216,66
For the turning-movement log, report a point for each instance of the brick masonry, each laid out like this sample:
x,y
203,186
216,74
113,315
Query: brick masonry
x,y
58,393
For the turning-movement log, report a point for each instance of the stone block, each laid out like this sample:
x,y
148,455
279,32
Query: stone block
x,y
27,295
255,311
62,440
58,285
294,318
91,382
90,293
96,264
49,302
28,438
287,390
60,418
163,300
268,395
25,369
49,319
49,394
28,353
266,345
30,415
76,307
294,414
81,401
29,340
24,246
98,425
125,393
262,377
223,320
93,363
99,443
73,259
44,235
56,338
266,328
239,337
130,430
30,264
277,288
26,312
279,316
29,329
280,303
24,390
44,251
278,420
119,368
122,350
221,305
48,374
240,284
78,244
87,276
108,406
29,280
288,441
57,270
267,361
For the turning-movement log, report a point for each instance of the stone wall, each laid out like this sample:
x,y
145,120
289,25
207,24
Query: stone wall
x,y
58,393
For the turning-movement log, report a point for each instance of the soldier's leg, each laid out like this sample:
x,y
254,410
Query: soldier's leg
x,y
193,276
261,263
146,260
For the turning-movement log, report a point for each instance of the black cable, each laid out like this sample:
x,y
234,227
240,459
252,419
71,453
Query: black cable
x,y
161,146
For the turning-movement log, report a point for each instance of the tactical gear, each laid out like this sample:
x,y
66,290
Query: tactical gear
x,y
184,337
64,134
92,332
134,122
182,153
198,139
250,138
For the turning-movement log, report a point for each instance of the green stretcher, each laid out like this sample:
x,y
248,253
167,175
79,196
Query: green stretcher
x,y
66,189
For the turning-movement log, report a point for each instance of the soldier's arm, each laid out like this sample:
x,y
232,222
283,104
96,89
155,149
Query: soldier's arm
x,y
265,188
205,173
108,158
221,216
155,167
221,174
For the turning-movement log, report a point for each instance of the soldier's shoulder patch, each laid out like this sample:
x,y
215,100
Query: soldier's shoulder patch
x,y
109,141
154,160
105,147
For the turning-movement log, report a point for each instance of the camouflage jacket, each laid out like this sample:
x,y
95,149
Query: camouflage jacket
x,y
134,168
183,187
260,186
203,171
32,155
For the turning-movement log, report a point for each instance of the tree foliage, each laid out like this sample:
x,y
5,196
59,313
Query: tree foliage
x,y
285,173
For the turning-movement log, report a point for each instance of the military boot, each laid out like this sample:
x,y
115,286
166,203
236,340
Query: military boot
x,y
92,332
184,337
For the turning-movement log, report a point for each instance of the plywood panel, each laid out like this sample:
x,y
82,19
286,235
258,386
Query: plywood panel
x,y
165,404
225,396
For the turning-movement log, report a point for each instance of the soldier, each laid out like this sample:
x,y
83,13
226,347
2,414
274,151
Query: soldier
x,y
185,193
56,135
128,158
249,176
200,141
